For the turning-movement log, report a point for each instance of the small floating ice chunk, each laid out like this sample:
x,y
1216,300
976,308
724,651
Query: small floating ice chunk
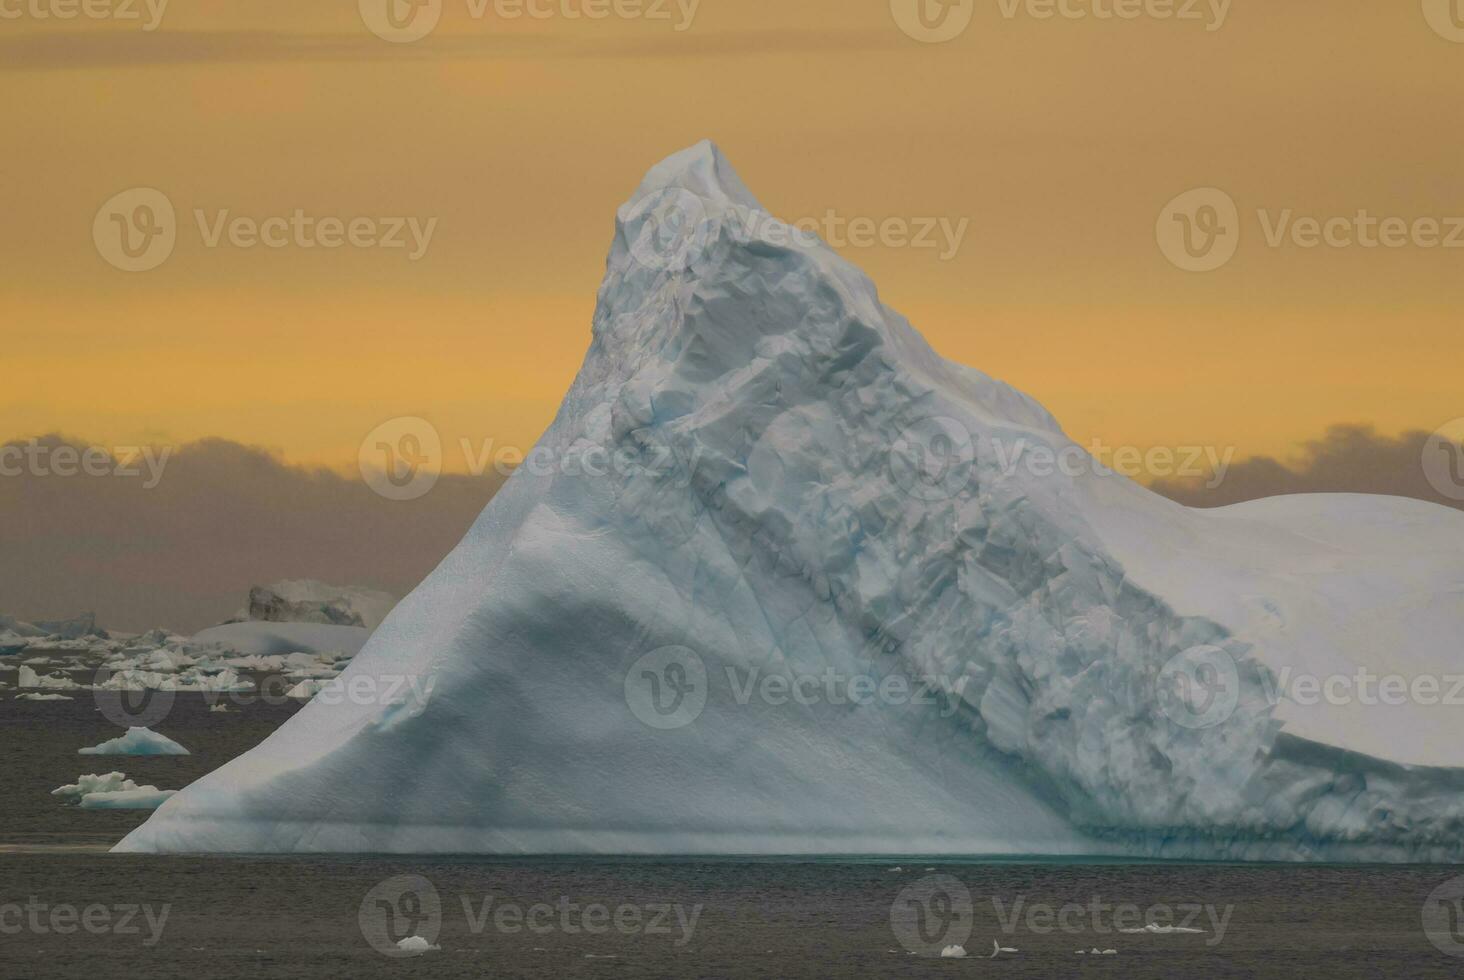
x,y
416,946
997,949
305,690
26,677
112,791
108,783
137,741
137,798
1154,929
43,697
953,952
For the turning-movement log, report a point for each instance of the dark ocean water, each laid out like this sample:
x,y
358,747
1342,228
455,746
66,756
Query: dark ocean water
x,y
69,909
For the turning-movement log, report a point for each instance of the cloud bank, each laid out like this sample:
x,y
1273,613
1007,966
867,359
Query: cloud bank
x,y
223,517
1348,459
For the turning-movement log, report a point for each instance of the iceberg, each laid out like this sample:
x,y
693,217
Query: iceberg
x,y
785,581
113,791
137,741
26,677
309,601
137,798
111,782
281,639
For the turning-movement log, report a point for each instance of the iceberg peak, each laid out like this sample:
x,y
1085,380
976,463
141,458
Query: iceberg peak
x,y
701,169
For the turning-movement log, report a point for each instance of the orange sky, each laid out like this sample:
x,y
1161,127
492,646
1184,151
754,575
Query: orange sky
x,y
1060,140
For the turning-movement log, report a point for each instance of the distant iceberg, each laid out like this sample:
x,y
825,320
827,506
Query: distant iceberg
x,y
113,791
137,741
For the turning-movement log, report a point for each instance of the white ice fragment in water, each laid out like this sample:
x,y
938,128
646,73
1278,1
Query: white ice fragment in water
x,y
1154,929
416,946
137,741
138,798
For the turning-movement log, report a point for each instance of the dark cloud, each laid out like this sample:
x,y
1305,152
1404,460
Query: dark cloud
x,y
1348,459
223,517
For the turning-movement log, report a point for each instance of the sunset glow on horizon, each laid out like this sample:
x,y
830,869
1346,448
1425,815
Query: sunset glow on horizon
x,y
513,141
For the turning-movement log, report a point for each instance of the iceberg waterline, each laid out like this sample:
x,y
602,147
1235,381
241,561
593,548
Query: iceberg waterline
x,y
818,605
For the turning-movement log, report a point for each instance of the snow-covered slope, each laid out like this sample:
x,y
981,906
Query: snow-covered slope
x,y
793,587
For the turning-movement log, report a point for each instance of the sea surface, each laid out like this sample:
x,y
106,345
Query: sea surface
x,y
70,909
